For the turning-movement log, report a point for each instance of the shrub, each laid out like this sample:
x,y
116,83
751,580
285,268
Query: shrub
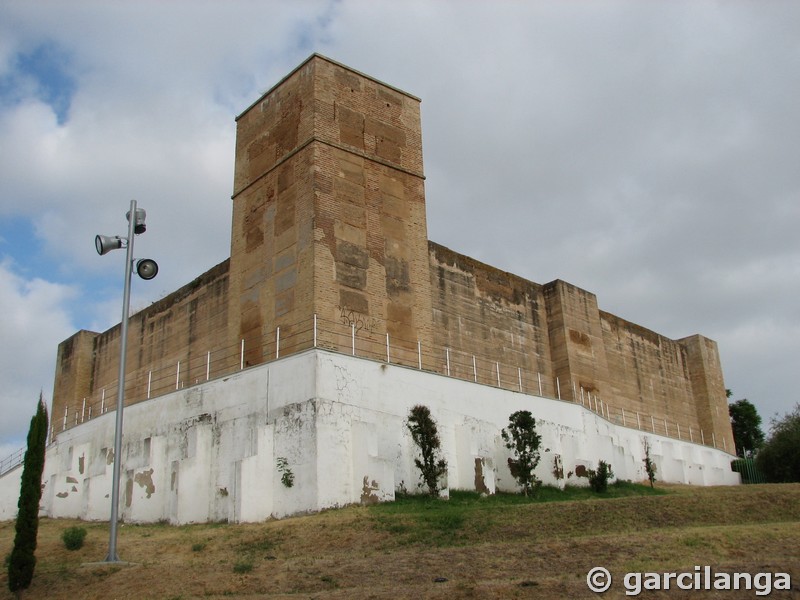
x,y
649,465
426,436
522,438
599,479
73,538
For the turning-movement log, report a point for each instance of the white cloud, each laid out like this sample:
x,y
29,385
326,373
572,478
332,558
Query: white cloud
x,y
646,152
34,322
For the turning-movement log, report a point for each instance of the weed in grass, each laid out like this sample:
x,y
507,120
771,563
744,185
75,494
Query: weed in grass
x,y
198,547
693,541
260,545
243,566
330,581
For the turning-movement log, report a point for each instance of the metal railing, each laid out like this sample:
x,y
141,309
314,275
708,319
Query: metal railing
x,y
364,338
11,462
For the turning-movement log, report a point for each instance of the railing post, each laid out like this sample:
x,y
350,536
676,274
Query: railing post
x,y
497,365
539,377
519,378
419,355
447,356
149,382
241,357
83,410
713,439
638,422
474,370
178,376
66,412
103,401
678,425
208,365
278,342
387,348
315,330
666,428
653,423
558,389
353,337
623,416
691,437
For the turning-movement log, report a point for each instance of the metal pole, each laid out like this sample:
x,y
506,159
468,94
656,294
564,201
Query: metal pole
x,y
123,350
278,342
315,330
419,354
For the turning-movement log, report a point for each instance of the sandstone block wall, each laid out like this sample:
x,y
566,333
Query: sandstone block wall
x,y
183,326
329,220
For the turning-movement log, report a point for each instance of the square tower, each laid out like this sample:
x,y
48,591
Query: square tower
x,y
329,215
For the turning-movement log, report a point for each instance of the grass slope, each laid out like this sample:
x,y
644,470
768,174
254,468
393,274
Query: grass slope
x,y
468,547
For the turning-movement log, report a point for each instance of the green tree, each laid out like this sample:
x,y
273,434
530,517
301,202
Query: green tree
x,y
426,436
521,437
779,457
746,425
23,560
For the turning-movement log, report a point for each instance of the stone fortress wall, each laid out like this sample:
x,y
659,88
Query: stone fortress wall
x,y
329,224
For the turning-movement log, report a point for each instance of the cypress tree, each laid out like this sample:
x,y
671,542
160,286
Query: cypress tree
x,y
23,560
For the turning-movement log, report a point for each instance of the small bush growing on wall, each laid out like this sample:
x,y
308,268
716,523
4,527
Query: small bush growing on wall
x,y
599,479
521,437
73,538
649,465
426,437
287,477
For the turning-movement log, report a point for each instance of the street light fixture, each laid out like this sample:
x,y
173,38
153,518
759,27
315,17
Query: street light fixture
x,y
146,269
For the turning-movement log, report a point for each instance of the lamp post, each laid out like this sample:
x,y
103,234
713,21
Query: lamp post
x,y
146,269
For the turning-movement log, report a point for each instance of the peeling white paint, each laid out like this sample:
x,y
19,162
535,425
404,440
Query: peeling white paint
x,y
208,453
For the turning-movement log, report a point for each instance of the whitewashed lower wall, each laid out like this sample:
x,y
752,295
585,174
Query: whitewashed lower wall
x,y
210,452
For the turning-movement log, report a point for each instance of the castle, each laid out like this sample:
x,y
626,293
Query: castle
x,y
334,313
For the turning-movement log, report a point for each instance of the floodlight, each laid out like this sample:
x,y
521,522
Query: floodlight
x,y
146,268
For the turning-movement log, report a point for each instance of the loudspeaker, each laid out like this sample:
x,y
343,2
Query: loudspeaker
x,y
105,244
146,268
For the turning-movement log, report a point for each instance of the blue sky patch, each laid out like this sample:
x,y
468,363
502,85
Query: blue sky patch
x,y
43,73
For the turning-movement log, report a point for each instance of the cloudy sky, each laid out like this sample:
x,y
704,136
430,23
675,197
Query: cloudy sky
x,y
645,151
